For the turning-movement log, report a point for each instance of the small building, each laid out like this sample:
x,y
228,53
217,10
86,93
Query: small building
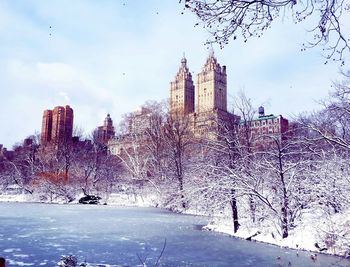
x,y
114,146
265,127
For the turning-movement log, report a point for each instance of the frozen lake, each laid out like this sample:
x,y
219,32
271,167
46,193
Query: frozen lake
x,y
38,234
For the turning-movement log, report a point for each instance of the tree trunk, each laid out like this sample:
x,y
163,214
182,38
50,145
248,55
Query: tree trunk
x,y
233,204
285,215
252,206
183,203
284,209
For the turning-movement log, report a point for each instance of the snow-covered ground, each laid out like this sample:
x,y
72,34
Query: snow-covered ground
x,y
14,198
133,201
113,199
315,231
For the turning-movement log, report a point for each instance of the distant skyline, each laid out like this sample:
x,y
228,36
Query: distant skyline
x,y
104,57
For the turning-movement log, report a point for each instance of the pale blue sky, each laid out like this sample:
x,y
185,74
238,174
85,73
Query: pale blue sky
x,y
112,56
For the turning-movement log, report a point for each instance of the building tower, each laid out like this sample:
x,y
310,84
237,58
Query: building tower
x,y
57,125
105,132
62,124
46,127
182,91
211,91
68,123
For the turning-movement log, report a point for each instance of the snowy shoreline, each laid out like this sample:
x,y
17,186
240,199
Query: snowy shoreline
x,y
303,241
313,252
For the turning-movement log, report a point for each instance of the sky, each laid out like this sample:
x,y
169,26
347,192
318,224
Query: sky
x,y
110,56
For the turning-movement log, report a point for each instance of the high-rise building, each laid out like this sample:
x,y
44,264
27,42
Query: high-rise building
x,y
105,132
68,125
46,127
211,91
57,125
182,91
205,105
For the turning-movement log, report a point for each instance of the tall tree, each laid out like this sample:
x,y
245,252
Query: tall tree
x,y
178,140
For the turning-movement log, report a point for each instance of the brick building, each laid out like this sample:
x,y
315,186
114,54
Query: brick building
x,y
269,124
57,125
266,127
105,132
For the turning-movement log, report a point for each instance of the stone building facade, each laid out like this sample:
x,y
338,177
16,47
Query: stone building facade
x,y
210,96
182,91
210,110
138,123
211,90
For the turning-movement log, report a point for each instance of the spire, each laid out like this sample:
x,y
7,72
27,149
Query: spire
x,y
211,62
183,60
211,51
108,121
183,70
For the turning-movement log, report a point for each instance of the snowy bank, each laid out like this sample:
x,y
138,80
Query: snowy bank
x,y
315,231
115,199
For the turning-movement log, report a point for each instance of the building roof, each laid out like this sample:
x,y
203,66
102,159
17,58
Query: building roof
x,y
266,117
271,116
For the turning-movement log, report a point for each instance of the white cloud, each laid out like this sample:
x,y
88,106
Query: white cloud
x,y
65,96
106,57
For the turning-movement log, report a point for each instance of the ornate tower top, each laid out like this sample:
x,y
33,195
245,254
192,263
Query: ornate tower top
x,y
211,51
211,86
182,90
183,72
108,121
212,63
106,131
184,61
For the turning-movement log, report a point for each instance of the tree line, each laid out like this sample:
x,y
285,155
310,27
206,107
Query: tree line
x,y
227,172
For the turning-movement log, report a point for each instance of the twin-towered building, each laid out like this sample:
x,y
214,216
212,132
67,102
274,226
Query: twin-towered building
x,y
209,94
205,104
57,126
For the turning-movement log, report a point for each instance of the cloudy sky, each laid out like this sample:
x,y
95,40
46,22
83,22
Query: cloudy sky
x,y
112,56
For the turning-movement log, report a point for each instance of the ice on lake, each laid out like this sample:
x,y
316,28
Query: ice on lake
x,y
38,234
